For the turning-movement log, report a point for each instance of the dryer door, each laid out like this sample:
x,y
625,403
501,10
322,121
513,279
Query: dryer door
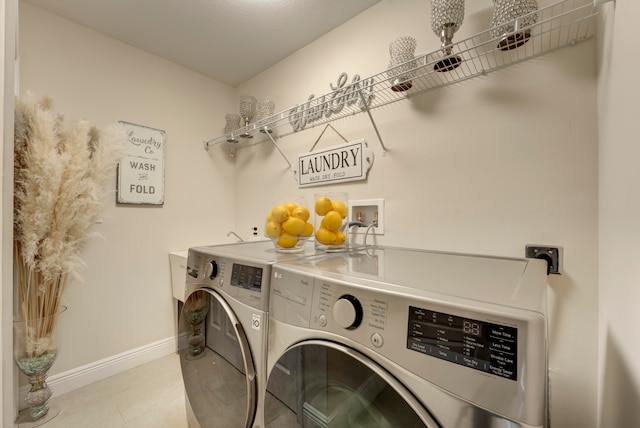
x,y
217,368
323,384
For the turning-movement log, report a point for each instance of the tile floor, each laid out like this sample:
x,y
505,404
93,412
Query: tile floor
x,y
151,395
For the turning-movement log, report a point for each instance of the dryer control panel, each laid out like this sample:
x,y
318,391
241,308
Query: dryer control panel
x,y
480,345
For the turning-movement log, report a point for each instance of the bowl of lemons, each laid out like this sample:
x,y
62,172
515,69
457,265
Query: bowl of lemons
x,y
288,225
331,216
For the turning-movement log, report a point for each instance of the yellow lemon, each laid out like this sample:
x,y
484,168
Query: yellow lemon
x,y
340,238
323,205
332,221
279,214
273,229
287,241
325,236
301,213
290,206
294,226
308,229
340,208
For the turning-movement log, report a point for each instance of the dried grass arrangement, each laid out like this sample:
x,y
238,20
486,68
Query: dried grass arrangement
x,y
60,169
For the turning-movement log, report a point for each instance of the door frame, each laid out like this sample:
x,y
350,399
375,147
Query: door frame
x,y
8,374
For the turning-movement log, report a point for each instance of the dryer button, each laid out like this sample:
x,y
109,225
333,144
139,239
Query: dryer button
x,y
377,340
322,320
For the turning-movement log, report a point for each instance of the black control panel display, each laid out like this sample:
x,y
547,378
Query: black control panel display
x,y
248,277
484,346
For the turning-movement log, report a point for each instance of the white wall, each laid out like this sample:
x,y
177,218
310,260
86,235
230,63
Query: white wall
x,y
125,301
484,166
619,209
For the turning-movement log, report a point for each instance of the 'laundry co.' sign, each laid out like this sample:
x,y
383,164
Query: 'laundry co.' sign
x,y
347,162
141,169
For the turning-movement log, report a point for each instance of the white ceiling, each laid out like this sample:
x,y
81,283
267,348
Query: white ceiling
x,y
228,40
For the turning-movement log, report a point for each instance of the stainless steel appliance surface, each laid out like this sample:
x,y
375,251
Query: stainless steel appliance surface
x,y
393,337
223,332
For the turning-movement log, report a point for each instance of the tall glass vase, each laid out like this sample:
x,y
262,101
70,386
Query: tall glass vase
x,y
400,69
36,344
512,21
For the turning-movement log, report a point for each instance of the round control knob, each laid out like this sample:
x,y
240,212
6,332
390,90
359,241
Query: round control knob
x,y
212,269
347,311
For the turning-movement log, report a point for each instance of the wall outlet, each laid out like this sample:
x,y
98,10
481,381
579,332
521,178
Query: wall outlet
x,y
551,253
366,211
255,235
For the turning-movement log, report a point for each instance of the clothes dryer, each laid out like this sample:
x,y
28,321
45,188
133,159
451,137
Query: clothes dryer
x,y
223,332
392,337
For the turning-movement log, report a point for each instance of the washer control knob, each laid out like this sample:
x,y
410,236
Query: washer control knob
x,y
212,269
347,311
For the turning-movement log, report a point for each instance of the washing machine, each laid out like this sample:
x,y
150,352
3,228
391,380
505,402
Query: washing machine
x,y
222,334
393,337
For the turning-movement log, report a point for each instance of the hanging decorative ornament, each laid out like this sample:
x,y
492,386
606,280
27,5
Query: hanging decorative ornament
x,y
511,22
402,63
446,19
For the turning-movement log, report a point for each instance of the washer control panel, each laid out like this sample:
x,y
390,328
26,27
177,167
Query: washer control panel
x,y
356,312
244,280
350,310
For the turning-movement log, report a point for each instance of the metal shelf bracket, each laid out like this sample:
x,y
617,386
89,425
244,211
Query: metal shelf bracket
x,y
373,123
266,130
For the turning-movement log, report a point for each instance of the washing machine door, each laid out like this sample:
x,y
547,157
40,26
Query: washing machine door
x,y
324,384
217,367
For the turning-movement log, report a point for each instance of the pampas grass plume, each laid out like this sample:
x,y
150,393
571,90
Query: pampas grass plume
x,y
60,169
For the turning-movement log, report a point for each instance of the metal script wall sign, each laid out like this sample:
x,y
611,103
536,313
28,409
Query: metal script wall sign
x,y
141,170
326,105
347,162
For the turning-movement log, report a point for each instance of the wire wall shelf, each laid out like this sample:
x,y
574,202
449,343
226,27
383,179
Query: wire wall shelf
x,y
562,24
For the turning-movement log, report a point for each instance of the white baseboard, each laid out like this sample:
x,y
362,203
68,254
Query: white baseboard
x,y
70,380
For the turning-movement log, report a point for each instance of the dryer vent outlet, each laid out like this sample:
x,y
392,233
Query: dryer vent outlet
x,y
552,254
